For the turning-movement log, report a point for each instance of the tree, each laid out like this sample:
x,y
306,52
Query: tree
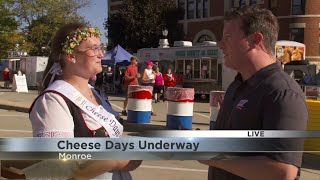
x,y
8,28
139,23
42,18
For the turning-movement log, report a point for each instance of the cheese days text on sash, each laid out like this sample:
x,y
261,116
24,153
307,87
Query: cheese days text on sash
x,y
98,113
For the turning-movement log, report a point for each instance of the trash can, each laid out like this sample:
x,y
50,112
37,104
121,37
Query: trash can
x,y
180,107
139,104
216,100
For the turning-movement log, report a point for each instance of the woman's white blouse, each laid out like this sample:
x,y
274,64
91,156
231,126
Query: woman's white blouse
x,y
50,117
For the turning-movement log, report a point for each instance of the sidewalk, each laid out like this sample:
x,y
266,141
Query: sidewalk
x,y
22,102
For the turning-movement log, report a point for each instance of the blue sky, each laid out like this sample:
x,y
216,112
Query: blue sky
x,y
96,15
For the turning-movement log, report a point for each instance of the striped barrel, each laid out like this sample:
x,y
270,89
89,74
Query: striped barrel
x,y
180,107
139,104
216,99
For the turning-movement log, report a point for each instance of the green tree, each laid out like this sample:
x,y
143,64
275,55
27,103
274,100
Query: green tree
x,y
139,23
42,18
8,28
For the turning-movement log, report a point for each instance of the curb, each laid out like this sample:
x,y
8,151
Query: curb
x,y
15,108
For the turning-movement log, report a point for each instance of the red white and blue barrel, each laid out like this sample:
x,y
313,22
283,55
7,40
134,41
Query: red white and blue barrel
x,y
216,100
139,104
180,107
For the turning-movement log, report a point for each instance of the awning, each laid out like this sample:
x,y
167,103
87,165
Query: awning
x,y
14,59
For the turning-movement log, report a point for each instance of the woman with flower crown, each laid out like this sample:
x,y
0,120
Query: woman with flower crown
x,y
69,107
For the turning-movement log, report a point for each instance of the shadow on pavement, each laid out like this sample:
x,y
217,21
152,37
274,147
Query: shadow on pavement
x,y
311,161
132,127
201,112
137,134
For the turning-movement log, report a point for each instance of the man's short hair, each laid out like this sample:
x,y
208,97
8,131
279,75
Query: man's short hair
x,y
255,19
134,58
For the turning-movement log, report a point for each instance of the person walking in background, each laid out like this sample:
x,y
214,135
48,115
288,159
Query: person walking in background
x,y
108,77
121,80
158,85
118,79
6,77
261,97
179,80
131,76
169,79
59,111
148,78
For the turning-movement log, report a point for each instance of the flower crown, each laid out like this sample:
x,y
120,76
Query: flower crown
x,y
73,41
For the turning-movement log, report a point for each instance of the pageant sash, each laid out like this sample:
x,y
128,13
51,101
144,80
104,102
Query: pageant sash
x,y
98,113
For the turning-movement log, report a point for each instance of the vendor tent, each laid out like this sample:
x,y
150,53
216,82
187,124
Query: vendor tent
x,y
117,55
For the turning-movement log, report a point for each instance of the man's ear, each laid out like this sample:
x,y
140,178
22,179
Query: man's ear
x,y
258,38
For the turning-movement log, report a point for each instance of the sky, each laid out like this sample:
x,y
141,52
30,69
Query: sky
x,y
96,15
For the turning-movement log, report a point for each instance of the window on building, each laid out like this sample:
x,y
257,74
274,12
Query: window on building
x,y
298,7
181,5
205,8
273,3
238,3
199,9
253,2
297,34
190,9
195,8
273,6
204,38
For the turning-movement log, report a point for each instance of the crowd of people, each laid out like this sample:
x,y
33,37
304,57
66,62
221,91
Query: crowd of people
x,y
151,77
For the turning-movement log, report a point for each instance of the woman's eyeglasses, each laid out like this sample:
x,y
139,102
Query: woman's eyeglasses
x,y
95,49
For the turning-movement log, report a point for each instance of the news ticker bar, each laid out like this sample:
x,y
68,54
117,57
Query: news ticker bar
x,y
234,133
149,145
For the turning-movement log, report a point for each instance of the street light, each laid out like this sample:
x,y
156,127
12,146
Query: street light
x,y
165,32
163,43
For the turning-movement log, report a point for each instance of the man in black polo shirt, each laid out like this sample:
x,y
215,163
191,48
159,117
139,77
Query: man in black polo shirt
x,y
262,96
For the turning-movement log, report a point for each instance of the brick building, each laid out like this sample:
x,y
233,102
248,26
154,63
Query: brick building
x,y
203,20
113,6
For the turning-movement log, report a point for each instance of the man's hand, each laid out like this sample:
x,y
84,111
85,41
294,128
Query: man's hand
x,y
138,75
133,164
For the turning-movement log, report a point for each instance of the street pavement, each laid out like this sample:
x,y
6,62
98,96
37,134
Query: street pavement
x,y
15,123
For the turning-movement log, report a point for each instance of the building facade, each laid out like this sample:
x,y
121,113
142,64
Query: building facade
x,y
299,20
114,6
